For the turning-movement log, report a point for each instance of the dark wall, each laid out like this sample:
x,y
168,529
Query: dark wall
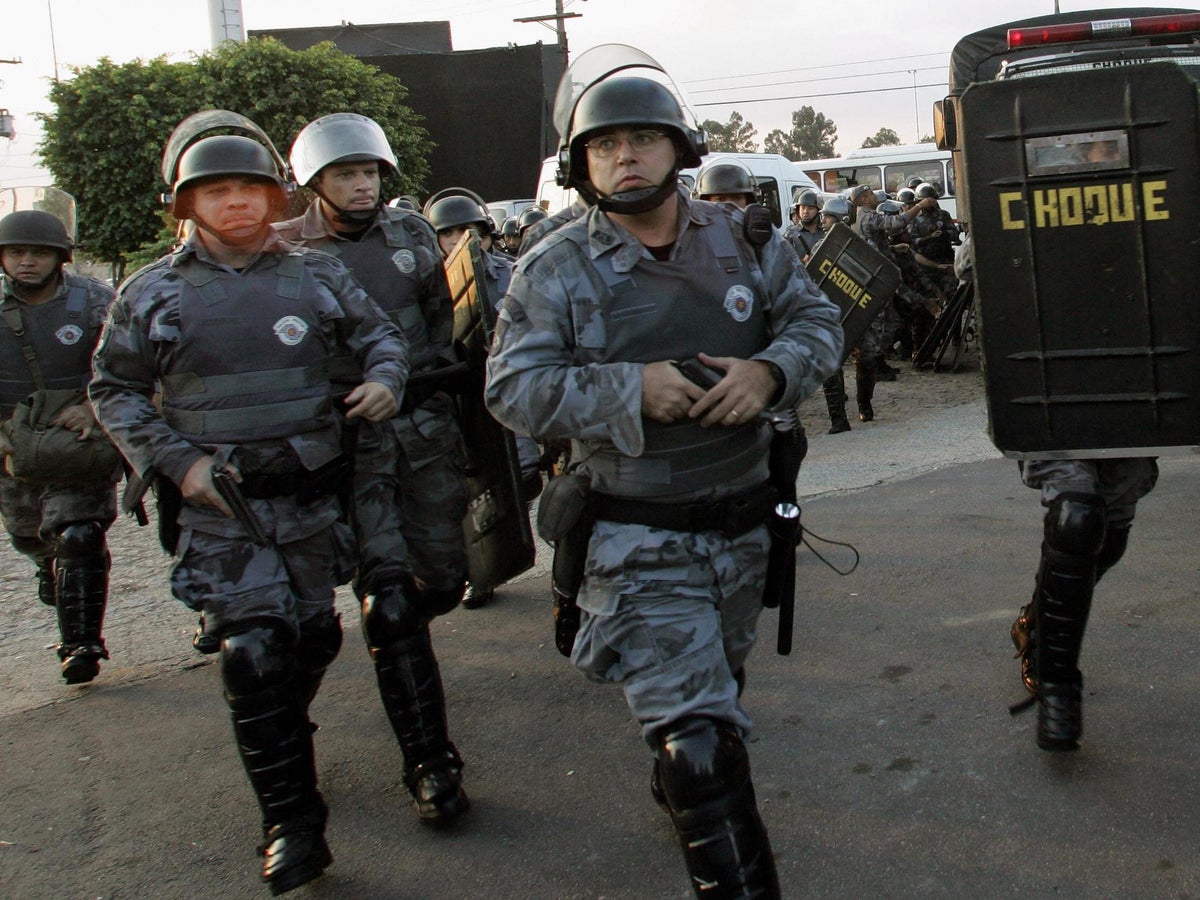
x,y
488,111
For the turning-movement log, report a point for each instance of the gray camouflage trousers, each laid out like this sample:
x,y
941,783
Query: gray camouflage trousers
x,y
1121,482
670,616
233,582
34,514
410,497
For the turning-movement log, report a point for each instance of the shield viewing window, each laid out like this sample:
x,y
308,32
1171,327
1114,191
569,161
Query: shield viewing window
x,y
1089,151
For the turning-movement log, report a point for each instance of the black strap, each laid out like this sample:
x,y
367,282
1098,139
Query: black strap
x,y
732,515
12,315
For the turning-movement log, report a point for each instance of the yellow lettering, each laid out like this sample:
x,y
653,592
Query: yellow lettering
x,y
1152,201
1045,209
1120,202
824,267
1008,221
1070,201
1095,204
865,301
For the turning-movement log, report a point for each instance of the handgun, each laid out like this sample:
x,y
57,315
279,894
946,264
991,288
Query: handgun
x,y
227,487
698,373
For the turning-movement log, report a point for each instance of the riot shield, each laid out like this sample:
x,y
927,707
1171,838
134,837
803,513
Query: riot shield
x,y
496,528
58,203
855,276
1084,224
205,124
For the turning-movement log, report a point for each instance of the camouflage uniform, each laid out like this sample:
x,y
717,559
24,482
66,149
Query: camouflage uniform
x,y
219,571
565,367
410,494
63,332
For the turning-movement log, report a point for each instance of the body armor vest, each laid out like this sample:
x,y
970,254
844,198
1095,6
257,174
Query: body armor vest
x,y
709,299
387,263
56,333
225,383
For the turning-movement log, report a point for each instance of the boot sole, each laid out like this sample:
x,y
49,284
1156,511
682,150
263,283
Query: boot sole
x,y
445,812
81,672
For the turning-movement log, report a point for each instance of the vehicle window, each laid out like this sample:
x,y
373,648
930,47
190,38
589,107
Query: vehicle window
x,y
897,176
837,180
768,189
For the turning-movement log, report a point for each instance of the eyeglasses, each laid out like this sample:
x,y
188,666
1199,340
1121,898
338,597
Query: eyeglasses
x,y
607,144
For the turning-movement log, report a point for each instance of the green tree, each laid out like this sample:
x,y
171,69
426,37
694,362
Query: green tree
x,y
103,142
812,136
884,137
735,136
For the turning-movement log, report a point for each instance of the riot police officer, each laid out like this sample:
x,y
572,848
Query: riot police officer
x,y
234,330
56,517
510,237
726,182
805,231
410,494
596,313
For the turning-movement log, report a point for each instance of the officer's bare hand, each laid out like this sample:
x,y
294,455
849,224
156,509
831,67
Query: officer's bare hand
x,y
6,447
371,401
667,396
738,397
77,418
197,486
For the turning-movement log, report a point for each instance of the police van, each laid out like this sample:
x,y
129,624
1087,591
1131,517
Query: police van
x,y
1076,141
779,180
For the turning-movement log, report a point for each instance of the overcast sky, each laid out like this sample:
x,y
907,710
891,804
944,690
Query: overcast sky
x,y
856,61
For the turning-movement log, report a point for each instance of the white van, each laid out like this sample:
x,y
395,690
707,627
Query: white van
x,y
779,181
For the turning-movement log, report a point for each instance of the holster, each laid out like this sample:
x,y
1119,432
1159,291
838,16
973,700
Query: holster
x,y
566,516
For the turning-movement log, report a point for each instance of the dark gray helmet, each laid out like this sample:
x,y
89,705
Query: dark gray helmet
x,y
906,195
341,137
725,178
529,216
510,227
925,189
455,211
807,198
890,208
838,208
629,102
913,182
35,228
222,156
855,193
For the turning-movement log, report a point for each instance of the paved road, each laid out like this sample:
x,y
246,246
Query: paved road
x,y
886,762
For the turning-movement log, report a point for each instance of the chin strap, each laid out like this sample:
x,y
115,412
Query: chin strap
x,y
20,288
356,218
249,241
641,200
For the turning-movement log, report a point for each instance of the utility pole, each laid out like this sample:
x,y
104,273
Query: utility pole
x,y
8,128
559,18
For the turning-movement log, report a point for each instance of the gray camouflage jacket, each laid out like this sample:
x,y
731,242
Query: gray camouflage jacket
x,y
545,375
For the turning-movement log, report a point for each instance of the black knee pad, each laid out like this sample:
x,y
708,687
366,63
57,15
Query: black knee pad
x,y
257,659
80,540
392,613
703,766
1074,524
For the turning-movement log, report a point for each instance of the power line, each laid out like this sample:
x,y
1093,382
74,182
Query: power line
x,y
815,80
907,87
829,66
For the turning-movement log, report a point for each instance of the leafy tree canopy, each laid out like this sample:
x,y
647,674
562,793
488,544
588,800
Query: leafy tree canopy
x,y
812,136
884,137
735,136
104,141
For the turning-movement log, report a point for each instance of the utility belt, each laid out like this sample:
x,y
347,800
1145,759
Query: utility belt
x,y
304,485
732,516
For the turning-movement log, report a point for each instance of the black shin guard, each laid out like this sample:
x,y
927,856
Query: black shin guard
x,y
275,744
410,686
81,594
1065,582
865,373
704,772
320,641
835,402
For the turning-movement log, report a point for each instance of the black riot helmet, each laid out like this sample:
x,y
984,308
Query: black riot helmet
x,y
631,102
890,208
35,228
456,211
906,196
725,177
925,189
225,156
510,227
807,197
529,216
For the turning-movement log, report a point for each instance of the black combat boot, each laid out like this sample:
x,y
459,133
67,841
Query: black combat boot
x,y
474,598
81,593
835,402
864,388
410,685
275,744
